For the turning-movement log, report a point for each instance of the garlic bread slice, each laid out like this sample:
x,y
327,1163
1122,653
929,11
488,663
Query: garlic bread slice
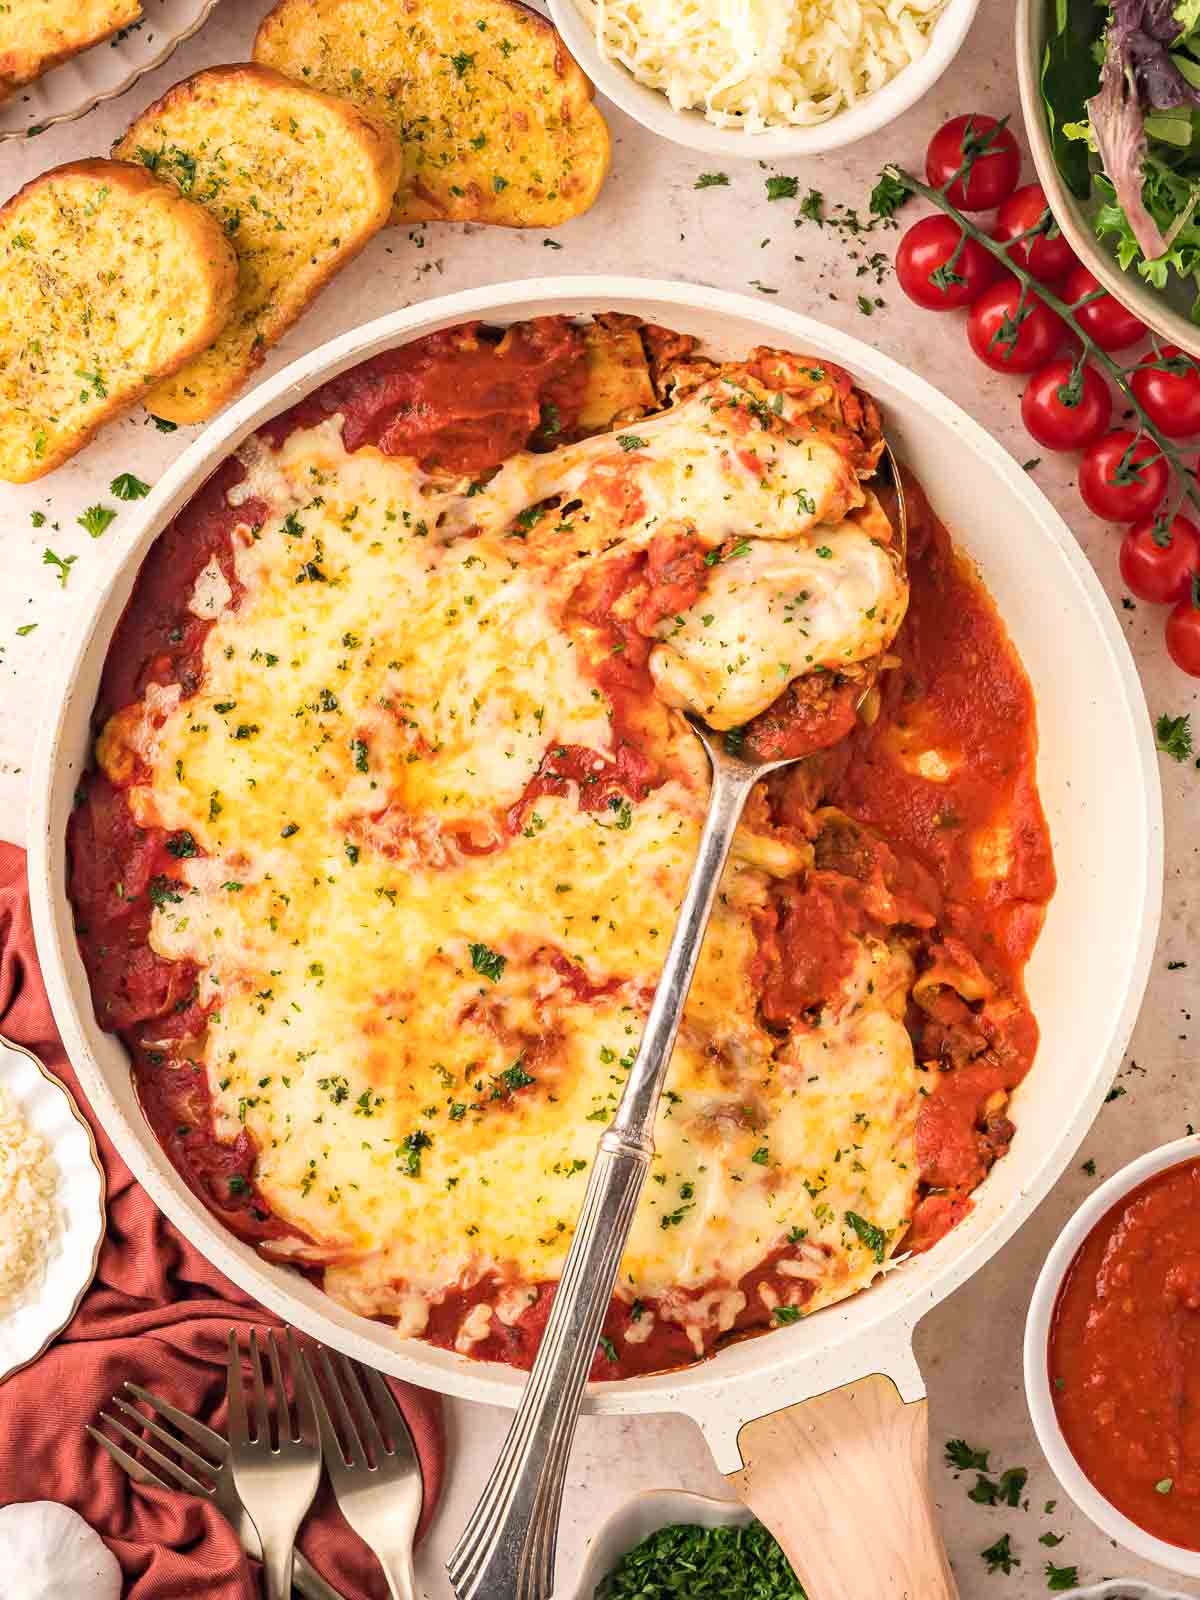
x,y
36,35
109,280
299,180
494,115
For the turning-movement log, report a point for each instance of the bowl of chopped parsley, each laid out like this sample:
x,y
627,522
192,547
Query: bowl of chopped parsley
x,y
670,1545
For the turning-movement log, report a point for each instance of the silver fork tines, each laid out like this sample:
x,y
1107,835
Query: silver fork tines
x,y
207,1472
276,1480
371,1460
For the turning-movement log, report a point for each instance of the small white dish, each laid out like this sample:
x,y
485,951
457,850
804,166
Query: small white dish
x,y
653,110
49,1109
103,71
645,1514
1037,1378
1125,1589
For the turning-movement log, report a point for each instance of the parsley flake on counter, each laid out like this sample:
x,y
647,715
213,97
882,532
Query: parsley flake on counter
x,y
488,963
888,195
38,518
1051,1539
999,1557
712,180
96,519
1059,1578
1173,736
62,563
813,206
867,307
25,630
961,1456
163,425
703,1564
127,487
782,188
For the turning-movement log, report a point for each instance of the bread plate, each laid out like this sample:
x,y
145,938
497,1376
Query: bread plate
x,y
49,1110
1099,785
105,70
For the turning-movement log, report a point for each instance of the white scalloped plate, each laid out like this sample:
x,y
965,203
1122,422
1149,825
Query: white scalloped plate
x,y
49,1109
103,71
1125,1589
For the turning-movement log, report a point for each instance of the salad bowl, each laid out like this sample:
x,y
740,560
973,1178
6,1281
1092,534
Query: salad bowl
x,y
1166,311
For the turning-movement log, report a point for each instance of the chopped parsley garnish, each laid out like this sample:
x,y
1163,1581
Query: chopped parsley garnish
x,y
412,1145
26,629
712,180
460,61
782,188
287,831
164,891
1059,1578
352,853
805,503
693,1563
1173,736
824,552
740,547
609,1348
358,749
999,1557
1005,1493
875,1238
888,195
1164,1486
238,1185
513,1077
787,1314
127,487
95,519
489,964
38,518
631,441
182,845
961,1456
163,425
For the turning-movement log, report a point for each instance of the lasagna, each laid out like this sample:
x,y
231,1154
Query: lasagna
x,y
395,800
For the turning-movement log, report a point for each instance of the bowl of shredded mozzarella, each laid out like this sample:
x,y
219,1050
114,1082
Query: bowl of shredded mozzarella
x,y
763,78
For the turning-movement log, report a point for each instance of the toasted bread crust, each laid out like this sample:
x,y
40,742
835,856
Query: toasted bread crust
x,y
36,35
299,180
494,114
109,280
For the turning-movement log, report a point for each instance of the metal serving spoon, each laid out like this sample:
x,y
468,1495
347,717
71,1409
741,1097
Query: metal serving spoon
x,y
507,1548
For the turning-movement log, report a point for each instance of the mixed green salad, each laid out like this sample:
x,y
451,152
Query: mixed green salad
x,y
687,1562
1121,85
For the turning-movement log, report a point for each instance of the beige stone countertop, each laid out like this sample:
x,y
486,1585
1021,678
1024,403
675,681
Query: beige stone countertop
x,y
652,220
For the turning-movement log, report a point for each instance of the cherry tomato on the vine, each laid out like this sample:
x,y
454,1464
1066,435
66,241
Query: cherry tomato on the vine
x,y
1047,255
1011,334
994,170
924,272
1122,477
1105,320
1167,385
1183,632
1157,562
1065,410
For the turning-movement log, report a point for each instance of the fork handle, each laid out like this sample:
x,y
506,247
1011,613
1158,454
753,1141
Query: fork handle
x,y
277,1570
312,1585
507,1549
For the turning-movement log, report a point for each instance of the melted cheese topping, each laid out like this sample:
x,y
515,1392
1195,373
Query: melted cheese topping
x,y
425,1018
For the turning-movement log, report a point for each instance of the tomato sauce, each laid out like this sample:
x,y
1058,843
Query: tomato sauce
x,y
461,401
1124,1355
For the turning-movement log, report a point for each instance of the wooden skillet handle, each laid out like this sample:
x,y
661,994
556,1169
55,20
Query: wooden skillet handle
x,y
842,1481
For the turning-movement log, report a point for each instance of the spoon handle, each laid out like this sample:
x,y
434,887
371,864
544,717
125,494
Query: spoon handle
x,y
507,1548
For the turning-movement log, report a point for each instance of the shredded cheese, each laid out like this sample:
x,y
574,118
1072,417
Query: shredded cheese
x,y
28,1212
758,64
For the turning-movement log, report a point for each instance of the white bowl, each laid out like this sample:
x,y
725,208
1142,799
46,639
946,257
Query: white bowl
x,y
104,70
28,1328
1125,1589
1037,1378
645,1514
653,110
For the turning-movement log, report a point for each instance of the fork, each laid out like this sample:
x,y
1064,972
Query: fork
x,y
210,1477
376,1479
276,1482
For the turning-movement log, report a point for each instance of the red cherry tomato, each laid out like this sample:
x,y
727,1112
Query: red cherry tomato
x,y
994,172
1171,399
1120,489
1052,419
1003,342
1183,633
1157,563
1105,320
1048,255
925,251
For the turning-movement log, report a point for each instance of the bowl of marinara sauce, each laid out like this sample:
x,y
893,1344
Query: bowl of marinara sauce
x,y
1112,1357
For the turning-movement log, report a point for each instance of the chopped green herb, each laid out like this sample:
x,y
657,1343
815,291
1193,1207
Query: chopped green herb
x,y
1173,736
127,487
999,1557
95,519
874,1237
782,188
687,1562
631,441
964,1458
1059,1578
488,963
712,180
787,1314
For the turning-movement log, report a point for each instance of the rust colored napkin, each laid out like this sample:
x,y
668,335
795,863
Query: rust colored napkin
x,y
157,1314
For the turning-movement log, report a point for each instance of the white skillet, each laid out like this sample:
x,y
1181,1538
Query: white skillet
x,y
817,1473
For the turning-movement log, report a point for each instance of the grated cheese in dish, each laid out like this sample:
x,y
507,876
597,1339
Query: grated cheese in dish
x,y
759,64
28,1210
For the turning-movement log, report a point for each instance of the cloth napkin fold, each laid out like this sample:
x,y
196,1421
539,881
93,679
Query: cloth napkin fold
x,y
157,1314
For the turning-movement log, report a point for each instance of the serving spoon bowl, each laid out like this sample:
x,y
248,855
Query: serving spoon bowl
x,y
507,1549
